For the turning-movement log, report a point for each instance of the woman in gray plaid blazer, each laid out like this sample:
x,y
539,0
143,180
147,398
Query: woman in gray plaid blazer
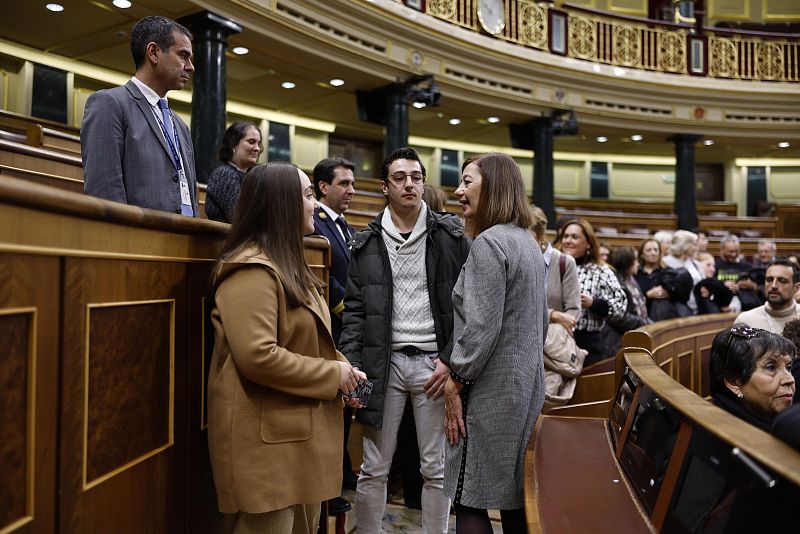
x,y
496,387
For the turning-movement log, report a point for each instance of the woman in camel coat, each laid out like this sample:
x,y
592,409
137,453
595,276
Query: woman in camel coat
x,y
274,414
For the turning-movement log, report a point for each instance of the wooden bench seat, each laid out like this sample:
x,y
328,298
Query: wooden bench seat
x,y
662,460
43,160
573,468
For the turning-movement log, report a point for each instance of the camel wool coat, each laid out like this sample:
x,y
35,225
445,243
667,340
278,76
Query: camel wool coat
x,y
274,417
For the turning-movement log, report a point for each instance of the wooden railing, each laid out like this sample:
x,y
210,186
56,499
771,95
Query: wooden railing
x,y
645,464
679,346
106,339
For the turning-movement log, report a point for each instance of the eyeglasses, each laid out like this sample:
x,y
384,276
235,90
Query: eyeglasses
x,y
399,178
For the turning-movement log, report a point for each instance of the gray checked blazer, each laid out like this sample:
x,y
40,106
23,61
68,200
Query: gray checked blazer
x,y
125,156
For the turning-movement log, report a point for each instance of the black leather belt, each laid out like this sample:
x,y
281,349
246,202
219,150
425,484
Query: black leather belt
x,y
411,350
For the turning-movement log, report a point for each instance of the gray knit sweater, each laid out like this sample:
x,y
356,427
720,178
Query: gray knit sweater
x,y
412,320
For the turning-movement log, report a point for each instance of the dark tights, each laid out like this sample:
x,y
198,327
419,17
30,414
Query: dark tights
x,y
476,520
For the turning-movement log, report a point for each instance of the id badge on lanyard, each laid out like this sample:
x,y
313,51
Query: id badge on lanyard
x,y
185,197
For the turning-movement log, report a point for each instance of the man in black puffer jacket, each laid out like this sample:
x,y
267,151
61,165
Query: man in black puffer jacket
x,y
397,328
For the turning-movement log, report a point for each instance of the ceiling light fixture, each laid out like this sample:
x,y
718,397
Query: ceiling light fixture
x,y
418,105
636,137
596,67
619,71
240,50
602,139
55,8
455,122
493,120
708,142
288,85
122,4
336,82
783,144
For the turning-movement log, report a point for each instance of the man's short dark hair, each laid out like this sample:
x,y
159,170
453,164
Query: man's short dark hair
x,y
401,153
786,263
324,171
157,30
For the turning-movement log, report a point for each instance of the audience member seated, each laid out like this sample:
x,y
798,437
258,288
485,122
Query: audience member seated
x,y
563,360
605,250
601,294
750,374
681,255
781,283
702,240
623,261
711,294
240,148
766,253
650,266
736,276
664,238
434,197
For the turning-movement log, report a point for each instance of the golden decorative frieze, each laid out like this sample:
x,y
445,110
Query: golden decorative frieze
x,y
532,25
632,44
724,57
769,61
582,38
444,9
627,46
672,52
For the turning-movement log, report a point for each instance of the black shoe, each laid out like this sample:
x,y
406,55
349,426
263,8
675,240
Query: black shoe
x,y
349,481
338,506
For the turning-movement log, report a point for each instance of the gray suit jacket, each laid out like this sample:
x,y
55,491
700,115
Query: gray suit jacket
x,y
125,156
563,294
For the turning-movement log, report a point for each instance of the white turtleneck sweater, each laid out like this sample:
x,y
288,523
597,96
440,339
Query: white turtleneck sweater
x,y
767,318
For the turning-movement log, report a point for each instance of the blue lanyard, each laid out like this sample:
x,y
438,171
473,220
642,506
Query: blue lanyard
x,y
176,158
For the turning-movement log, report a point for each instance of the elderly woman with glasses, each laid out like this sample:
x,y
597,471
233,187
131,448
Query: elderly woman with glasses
x,y
751,374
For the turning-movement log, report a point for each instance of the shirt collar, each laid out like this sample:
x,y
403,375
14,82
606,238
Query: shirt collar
x,y
150,95
548,253
332,214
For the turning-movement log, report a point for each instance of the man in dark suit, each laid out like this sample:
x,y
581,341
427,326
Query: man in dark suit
x,y
135,149
334,185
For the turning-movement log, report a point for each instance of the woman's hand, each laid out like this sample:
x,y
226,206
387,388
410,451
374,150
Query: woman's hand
x,y
349,377
586,300
704,292
564,319
657,292
453,414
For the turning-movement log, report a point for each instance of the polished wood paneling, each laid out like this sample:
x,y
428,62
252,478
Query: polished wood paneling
x,y
128,385
112,410
29,299
16,374
61,253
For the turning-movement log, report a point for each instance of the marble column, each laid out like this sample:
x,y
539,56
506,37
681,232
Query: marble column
x,y
685,183
209,92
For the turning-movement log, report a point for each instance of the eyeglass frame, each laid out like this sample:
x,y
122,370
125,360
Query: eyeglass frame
x,y
392,178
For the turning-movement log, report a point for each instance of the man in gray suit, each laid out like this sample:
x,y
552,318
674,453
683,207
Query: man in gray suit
x,y
135,149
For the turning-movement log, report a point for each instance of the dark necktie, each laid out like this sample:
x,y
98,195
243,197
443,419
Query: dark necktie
x,y
343,225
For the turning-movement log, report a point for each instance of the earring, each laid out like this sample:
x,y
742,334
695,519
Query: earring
x,y
740,395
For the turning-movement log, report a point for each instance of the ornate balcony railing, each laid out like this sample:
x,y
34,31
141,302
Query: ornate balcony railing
x,y
634,42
